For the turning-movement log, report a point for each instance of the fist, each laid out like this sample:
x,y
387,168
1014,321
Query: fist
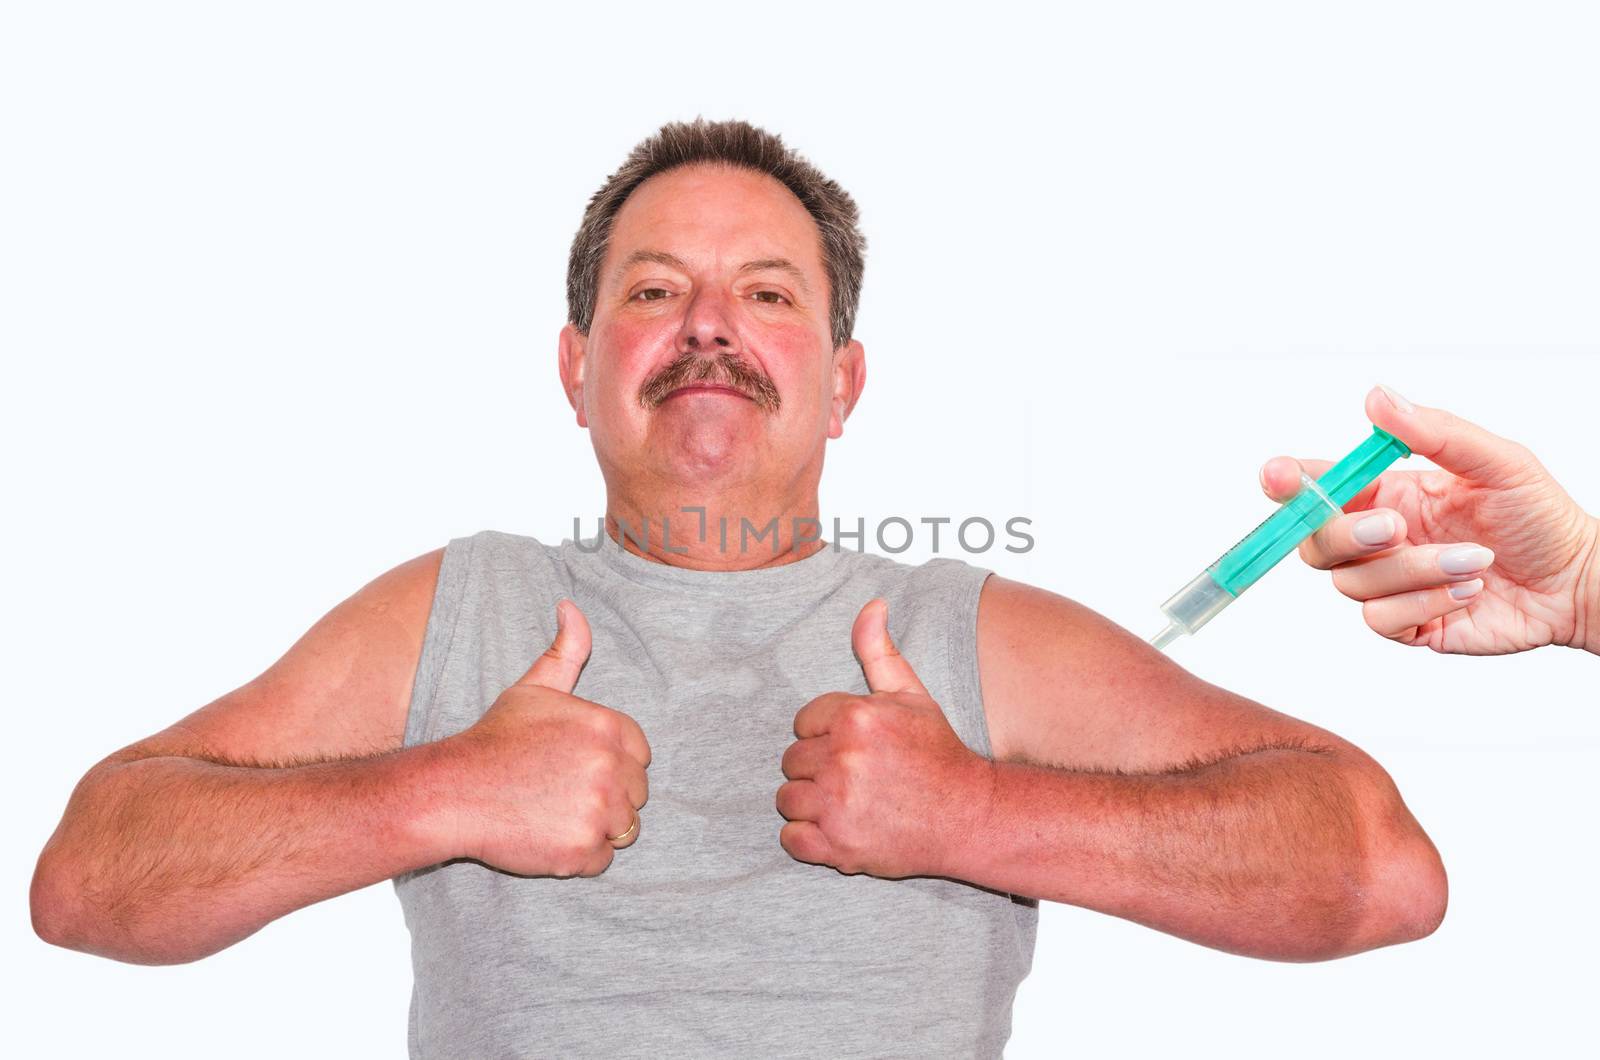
x,y
879,784
546,783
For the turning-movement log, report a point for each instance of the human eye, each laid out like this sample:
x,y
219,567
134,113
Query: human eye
x,y
775,297
650,294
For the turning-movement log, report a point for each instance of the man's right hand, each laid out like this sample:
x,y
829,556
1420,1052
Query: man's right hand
x,y
544,779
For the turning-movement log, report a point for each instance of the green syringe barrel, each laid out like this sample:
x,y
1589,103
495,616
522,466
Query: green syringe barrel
x,y
1305,513
1295,520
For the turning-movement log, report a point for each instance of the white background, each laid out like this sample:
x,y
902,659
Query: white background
x,y
280,294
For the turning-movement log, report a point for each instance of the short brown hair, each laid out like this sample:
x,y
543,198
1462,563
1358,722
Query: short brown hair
x,y
731,143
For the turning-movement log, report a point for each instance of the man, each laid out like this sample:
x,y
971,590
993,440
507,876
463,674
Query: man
x,y
944,747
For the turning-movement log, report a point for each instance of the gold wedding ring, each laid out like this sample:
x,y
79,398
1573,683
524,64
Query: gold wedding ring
x,y
624,835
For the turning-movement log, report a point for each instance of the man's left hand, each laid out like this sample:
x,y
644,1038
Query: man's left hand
x,y
880,783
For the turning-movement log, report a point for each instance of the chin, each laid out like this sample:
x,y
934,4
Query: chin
x,y
707,445
714,463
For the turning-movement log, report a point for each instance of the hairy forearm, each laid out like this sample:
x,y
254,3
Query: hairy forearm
x,y
167,859
1277,853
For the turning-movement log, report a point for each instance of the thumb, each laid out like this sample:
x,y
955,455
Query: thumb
x,y
1460,447
1280,476
886,669
560,664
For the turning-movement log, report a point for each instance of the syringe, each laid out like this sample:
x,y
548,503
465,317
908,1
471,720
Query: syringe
x,y
1297,519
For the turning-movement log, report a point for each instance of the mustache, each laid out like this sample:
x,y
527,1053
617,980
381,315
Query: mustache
x,y
725,369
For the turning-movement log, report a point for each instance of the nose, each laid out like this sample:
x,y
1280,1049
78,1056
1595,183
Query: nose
x,y
708,326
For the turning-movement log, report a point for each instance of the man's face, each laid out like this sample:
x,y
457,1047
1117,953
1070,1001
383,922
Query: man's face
x,y
709,360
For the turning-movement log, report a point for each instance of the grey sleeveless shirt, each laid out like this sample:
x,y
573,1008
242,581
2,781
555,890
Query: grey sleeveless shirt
x,y
703,938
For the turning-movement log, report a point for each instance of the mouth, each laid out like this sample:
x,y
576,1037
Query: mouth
x,y
707,388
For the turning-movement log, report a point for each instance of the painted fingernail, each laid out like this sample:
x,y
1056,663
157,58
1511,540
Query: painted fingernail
x,y
1374,530
1464,559
1466,590
1397,399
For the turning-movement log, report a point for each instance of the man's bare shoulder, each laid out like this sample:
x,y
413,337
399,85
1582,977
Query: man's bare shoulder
x,y
1064,685
1032,641
342,690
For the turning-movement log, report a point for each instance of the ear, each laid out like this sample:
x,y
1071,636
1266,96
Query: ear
x,y
572,365
849,378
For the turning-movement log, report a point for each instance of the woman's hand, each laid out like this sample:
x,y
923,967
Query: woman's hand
x,y
1485,557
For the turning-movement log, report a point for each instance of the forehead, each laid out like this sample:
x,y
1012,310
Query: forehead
x,y
706,214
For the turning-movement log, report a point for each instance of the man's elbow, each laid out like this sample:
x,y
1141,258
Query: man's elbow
x,y
1397,887
1401,899
1398,894
62,918
50,905
1408,893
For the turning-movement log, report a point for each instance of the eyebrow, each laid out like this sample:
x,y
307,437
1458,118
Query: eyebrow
x,y
781,265
661,257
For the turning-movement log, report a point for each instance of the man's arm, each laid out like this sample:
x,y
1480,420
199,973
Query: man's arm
x,y
289,790
1124,784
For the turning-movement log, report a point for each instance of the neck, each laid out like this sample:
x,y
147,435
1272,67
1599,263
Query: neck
x,y
716,532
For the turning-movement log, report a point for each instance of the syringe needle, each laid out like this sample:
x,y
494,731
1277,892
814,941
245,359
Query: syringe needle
x,y
1166,636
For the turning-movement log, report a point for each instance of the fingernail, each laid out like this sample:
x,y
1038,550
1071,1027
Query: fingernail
x,y
561,615
1396,399
1374,530
1464,559
1466,590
